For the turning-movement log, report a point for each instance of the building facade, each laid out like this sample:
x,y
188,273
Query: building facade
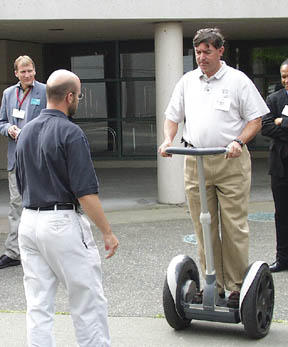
x,y
129,54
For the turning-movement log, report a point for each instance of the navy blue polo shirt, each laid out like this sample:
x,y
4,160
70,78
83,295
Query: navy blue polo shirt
x,y
53,161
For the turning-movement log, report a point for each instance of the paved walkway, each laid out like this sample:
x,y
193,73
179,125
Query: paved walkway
x,y
147,332
150,236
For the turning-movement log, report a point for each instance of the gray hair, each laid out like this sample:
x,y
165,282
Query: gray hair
x,y
211,36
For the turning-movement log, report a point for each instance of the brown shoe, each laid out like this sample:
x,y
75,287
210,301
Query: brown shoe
x,y
222,295
233,300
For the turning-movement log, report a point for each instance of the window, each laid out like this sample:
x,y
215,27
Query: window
x,y
96,113
88,67
261,62
137,64
118,111
138,104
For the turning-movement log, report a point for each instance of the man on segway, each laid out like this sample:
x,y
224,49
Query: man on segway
x,y
222,108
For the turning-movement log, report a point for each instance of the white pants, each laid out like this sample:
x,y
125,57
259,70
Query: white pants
x,y
58,246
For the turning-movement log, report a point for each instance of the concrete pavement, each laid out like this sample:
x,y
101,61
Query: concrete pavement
x,y
147,332
150,236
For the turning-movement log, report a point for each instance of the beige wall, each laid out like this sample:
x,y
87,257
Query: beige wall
x,y
9,51
148,9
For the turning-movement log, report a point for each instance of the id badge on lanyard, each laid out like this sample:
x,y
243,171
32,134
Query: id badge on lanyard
x,y
18,113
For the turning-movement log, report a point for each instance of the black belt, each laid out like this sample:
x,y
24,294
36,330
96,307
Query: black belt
x,y
186,144
54,207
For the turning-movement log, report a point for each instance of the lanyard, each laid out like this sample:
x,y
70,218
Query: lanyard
x,y
20,102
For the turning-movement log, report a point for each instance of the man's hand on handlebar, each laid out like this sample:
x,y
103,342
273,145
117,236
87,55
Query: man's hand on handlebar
x,y
235,150
162,149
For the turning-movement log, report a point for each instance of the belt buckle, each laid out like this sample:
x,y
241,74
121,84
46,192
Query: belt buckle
x,y
63,205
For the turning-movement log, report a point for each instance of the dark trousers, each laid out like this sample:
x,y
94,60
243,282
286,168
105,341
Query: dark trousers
x,y
279,186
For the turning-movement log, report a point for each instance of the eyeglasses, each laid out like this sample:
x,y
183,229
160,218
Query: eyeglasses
x,y
79,96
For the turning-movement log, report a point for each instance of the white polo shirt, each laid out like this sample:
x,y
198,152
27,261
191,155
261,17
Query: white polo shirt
x,y
215,109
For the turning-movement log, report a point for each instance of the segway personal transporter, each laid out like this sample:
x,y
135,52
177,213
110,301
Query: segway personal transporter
x,y
182,280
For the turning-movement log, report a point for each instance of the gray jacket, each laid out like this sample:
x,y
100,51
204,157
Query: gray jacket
x,y
9,102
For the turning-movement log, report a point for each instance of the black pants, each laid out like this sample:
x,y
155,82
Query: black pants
x,y
279,186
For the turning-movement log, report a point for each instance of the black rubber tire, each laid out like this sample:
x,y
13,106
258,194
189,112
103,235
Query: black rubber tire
x,y
176,318
258,304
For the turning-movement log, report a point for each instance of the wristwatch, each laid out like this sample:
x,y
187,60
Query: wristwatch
x,y
239,141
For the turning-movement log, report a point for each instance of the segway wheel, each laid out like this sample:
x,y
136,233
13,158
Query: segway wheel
x,y
258,304
174,313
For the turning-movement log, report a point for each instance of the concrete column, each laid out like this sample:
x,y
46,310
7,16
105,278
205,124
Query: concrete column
x,y
169,69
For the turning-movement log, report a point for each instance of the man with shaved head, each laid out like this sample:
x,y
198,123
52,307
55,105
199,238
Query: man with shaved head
x,y
55,175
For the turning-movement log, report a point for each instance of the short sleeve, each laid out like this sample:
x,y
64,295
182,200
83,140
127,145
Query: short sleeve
x,y
175,110
82,176
252,104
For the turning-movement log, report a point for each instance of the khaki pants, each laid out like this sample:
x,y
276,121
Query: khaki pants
x,y
228,184
14,215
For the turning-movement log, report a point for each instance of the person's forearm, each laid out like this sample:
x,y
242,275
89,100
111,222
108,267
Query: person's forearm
x,y
170,130
93,208
250,130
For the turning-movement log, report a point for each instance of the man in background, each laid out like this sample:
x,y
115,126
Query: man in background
x,y
21,103
275,126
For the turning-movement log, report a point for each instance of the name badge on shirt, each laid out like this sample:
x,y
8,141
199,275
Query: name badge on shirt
x,y
18,113
35,101
223,104
285,111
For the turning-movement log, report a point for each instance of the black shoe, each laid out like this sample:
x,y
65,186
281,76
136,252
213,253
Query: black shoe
x,y
277,267
6,261
233,300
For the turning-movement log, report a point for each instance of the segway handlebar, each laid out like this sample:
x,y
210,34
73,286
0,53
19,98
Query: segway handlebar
x,y
196,150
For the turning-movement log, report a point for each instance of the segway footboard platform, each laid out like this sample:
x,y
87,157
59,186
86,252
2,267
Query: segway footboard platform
x,y
217,314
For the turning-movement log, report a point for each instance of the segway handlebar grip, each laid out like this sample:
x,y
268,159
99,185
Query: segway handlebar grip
x,y
196,150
